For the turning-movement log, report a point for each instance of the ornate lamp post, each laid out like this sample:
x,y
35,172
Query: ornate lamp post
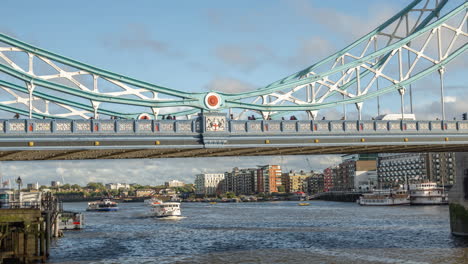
x,y
19,181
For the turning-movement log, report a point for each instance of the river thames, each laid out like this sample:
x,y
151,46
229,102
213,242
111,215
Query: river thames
x,y
269,232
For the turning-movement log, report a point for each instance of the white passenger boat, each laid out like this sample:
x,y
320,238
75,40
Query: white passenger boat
x,y
427,194
385,198
105,205
167,210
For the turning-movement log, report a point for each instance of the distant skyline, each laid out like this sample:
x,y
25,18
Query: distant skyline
x,y
149,171
207,45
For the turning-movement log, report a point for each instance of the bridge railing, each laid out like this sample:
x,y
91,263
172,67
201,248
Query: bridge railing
x,y
33,126
344,126
184,127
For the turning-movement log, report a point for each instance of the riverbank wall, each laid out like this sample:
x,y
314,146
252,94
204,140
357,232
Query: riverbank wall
x,y
338,196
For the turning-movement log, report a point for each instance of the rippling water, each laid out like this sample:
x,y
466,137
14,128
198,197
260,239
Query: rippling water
x,y
275,232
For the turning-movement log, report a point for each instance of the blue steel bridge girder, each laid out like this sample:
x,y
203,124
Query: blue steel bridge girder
x,y
354,72
214,135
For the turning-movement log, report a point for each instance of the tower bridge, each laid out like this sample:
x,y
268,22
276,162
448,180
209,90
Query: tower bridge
x,y
70,107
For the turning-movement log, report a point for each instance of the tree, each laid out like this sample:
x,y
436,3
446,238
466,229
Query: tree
x,y
75,187
113,192
230,195
66,186
95,186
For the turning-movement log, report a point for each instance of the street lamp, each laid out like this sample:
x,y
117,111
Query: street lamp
x,y
19,181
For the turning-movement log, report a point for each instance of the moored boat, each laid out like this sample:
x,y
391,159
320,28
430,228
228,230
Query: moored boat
x,y
427,194
105,205
385,198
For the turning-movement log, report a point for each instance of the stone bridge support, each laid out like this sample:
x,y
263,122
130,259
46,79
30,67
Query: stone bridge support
x,y
458,197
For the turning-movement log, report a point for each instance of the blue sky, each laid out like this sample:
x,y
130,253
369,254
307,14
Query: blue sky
x,y
202,45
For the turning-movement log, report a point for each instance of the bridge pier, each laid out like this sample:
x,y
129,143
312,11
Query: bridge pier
x,y
458,197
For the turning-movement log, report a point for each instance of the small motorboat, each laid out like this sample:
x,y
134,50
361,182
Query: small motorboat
x,y
303,204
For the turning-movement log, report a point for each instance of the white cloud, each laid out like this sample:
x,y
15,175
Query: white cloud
x,y
245,57
450,99
229,85
349,26
138,36
454,107
310,51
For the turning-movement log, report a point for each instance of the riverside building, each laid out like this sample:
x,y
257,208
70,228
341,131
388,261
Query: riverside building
x,y
33,186
239,181
174,183
117,186
295,181
327,179
207,183
267,178
397,169
356,172
315,183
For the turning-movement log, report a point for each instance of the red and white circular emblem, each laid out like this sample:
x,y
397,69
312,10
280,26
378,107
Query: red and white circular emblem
x,y
144,116
212,100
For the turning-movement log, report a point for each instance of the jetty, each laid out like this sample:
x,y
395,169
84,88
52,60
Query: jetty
x,y
28,222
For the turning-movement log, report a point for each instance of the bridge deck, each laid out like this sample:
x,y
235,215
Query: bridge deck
x,y
128,139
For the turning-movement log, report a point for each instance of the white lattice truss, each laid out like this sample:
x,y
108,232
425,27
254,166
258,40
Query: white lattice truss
x,y
410,45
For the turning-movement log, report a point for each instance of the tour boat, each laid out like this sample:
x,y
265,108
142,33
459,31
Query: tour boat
x,y
167,210
385,197
427,194
103,206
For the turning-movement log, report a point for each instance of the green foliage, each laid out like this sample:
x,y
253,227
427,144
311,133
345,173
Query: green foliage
x,y
188,188
75,187
230,195
113,192
95,186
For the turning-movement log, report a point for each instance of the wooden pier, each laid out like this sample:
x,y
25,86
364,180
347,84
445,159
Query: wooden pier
x,y
26,230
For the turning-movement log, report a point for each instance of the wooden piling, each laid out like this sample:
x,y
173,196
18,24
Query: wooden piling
x,y
22,235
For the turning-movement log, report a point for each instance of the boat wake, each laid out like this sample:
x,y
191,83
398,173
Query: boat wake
x,y
175,217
